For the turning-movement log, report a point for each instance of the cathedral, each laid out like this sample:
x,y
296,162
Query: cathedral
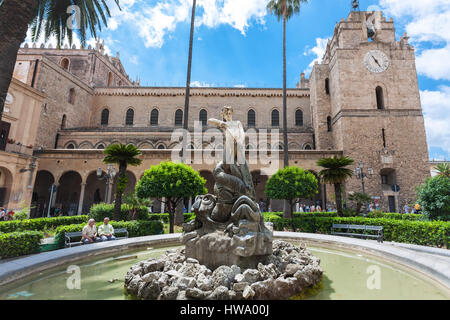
x,y
65,105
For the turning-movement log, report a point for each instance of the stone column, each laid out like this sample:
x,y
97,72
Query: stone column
x,y
80,204
110,191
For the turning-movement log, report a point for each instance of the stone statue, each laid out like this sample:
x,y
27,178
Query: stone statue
x,y
229,227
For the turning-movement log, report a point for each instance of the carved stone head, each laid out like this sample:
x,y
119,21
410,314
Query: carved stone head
x,y
203,206
227,113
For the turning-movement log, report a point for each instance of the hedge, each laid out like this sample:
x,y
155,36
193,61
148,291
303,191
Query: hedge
x,y
102,210
19,243
40,224
137,228
427,233
394,216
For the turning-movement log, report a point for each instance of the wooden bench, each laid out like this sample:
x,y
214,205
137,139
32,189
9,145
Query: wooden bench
x,y
71,236
363,228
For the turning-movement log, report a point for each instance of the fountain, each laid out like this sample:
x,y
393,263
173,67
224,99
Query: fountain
x,y
229,252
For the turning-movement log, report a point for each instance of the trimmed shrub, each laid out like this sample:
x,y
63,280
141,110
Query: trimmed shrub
x,y
398,216
19,243
40,224
136,228
102,210
428,233
164,217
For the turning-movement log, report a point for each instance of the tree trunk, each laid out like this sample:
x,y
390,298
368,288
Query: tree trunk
x,y
119,191
171,216
285,135
15,15
188,84
337,191
287,209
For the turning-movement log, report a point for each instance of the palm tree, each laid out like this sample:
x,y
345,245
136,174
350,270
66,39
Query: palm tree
x,y
188,83
336,173
49,17
123,155
443,169
285,9
360,199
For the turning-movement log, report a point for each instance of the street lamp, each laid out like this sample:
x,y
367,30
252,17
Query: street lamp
x,y
108,176
360,174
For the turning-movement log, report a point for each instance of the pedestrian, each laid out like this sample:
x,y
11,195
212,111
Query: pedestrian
x,y
406,208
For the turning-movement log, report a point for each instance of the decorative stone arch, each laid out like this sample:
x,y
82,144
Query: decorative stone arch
x,y
160,146
41,193
69,190
176,117
65,63
264,146
278,146
100,144
69,143
86,145
385,95
294,146
146,145
171,146
307,146
6,183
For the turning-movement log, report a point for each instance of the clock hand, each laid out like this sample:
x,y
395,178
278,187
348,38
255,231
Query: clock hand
x,y
376,61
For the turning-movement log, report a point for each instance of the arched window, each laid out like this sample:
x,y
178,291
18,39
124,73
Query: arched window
x,y
129,119
308,147
161,147
63,122
100,146
105,117
327,86
70,146
179,117
275,118
299,118
154,117
65,64
71,99
110,79
251,118
329,123
203,117
380,98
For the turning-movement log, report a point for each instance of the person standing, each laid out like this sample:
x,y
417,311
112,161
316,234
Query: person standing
x,y
406,208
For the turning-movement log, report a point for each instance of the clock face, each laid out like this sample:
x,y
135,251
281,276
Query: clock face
x,y
376,61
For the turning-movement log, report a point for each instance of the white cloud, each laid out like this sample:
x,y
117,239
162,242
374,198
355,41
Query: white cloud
x,y
201,84
134,60
318,51
436,109
427,22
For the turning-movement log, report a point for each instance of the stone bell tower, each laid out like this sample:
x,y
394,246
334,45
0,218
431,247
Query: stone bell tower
x,y
365,101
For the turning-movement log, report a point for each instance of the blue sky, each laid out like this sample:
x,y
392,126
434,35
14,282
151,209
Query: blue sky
x,y
237,43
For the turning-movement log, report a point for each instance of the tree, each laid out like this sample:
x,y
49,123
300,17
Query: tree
x,y
284,10
172,181
124,156
47,17
443,169
336,173
360,199
135,203
434,197
292,184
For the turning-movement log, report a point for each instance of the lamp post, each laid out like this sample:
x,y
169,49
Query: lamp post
x,y
108,176
360,174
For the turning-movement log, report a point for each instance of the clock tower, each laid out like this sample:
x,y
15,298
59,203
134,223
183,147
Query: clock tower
x,y
365,101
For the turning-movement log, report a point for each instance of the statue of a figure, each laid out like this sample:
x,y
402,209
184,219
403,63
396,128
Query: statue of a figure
x,y
229,227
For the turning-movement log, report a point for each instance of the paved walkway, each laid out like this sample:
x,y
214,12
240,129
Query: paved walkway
x,y
432,262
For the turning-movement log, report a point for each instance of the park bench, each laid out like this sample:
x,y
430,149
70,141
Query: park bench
x,y
363,231
74,238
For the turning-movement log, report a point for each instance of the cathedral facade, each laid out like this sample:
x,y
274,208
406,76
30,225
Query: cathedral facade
x,y
362,101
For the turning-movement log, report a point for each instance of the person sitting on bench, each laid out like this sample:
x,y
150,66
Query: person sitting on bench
x,y
106,231
89,233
